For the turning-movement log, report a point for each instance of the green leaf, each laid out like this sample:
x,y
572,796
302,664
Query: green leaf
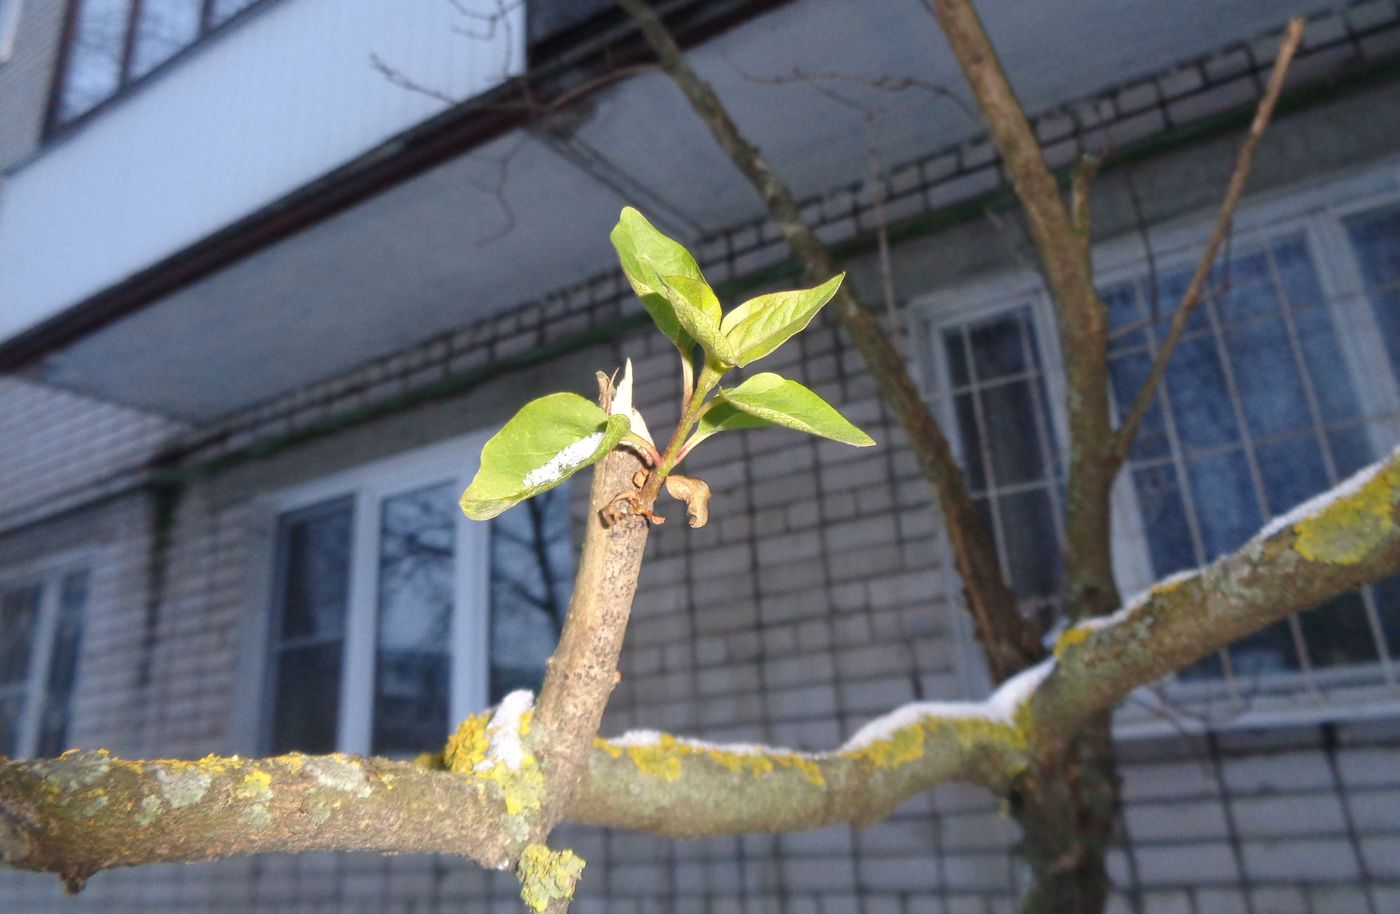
x,y
762,324
720,416
542,445
783,402
646,255
698,311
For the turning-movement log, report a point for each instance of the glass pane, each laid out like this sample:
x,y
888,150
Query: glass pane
x,y
1227,509
1128,373
1376,239
1200,398
306,701
226,9
1268,379
63,665
11,712
418,532
1387,594
94,63
1013,433
1164,518
1338,633
1124,310
315,559
1267,651
1292,471
531,574
957,358
1251,294
997,349
1028,528
165,27
1331,382
973,460
19,613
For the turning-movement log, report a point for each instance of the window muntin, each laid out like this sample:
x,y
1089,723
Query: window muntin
x,y
113,44
385,597
41,623
1267,402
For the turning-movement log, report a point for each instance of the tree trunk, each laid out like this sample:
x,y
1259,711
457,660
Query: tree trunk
x,y
1066,805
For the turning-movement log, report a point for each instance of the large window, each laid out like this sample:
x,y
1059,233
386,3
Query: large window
x,y
112,44
1282,386
393,616
41,625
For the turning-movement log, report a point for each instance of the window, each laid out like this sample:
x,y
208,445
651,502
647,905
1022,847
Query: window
x,y
41,626
393,616
9,27
112,44
1282,386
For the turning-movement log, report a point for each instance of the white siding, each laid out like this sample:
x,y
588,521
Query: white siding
x,y
276,102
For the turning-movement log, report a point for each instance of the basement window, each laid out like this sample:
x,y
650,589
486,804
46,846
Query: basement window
x,y
394,616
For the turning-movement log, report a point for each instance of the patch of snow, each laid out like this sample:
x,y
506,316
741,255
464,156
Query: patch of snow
x,y
563,462
503,731
637,738
1314,505
622,405
1000,706
1136,602
653,738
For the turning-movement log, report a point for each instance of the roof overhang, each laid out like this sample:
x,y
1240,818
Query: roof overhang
x,y
484,207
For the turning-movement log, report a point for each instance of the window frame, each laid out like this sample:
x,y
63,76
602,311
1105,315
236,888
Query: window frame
x,y
56,125
1317,211
49,573
367,486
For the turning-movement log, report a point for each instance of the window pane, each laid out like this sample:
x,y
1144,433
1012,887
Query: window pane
x,y
11,713
306,702
94,63
412,661
1200,398
531,574
63,665
315,554
1338,633
226,9
1376,239
165,27
19,613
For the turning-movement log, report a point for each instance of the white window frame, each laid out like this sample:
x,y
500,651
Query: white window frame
x,y
1317,210
368,486
48,573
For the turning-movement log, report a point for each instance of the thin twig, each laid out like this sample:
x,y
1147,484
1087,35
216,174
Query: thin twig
x,y
1127,432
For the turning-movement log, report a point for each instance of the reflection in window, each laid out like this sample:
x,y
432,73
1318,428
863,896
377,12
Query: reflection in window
x,y
417,543
63,664
1257,413
1008,448
312,592
531,577
19,616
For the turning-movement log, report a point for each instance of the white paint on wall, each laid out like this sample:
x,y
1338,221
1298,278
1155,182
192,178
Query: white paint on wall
x,y
277,101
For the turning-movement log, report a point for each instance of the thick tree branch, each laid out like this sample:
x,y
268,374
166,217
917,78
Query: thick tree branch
x,y
1339,540
1063,247
1010,642
88,810
1244,162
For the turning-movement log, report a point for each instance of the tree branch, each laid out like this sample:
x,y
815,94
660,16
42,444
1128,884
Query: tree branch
x,y
1063,245
1244,162
88,811
1010,642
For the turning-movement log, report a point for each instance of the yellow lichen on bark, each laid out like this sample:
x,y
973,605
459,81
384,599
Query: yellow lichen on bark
x,y
1346,530
547,876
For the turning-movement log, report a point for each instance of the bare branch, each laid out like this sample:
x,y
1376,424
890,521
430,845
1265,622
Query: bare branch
x,y
1244,162
1010,642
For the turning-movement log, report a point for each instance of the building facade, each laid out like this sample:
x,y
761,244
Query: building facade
x,y
271,270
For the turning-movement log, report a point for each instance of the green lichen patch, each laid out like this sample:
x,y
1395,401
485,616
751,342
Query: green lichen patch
x,y
547,876
340,773
1345,531
150,808
183,786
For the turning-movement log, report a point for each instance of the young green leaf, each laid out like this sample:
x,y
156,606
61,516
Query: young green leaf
x,y
698,311
783,402
646,255
762,324
542,445
718,417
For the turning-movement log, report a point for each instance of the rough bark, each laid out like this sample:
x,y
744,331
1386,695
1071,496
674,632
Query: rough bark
x,y
1010,642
